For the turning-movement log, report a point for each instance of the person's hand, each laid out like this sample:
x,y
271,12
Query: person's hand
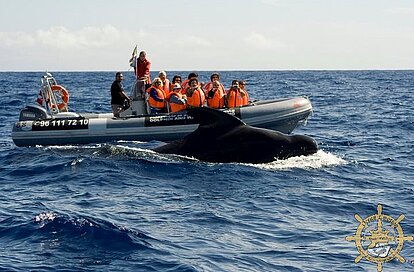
x,y
190,91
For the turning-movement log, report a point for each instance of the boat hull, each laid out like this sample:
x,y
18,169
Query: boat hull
x,y
282,115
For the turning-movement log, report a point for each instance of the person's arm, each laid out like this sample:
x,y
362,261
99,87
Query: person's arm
x,y
125,96
122,92
154,95
176,100
147,68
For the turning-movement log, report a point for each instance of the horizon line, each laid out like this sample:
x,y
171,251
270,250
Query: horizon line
x,y
224,70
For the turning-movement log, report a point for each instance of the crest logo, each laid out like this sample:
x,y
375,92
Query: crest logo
x,y
379,238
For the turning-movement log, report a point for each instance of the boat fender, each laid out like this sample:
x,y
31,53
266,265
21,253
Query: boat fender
x,y
64,95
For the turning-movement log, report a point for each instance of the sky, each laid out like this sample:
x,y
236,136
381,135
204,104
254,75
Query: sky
x,y
199,35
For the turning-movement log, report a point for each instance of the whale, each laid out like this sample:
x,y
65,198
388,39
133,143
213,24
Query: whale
x,y
224,138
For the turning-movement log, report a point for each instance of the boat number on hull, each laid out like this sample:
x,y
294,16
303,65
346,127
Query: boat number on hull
x,y
61,124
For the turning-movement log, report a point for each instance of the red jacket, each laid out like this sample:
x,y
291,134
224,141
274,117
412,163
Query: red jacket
x,y
143,69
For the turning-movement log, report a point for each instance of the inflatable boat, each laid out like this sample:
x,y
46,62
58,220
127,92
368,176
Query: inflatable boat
x,y
52,124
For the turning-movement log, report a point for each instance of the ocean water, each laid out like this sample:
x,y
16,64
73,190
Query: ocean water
x,y
121,207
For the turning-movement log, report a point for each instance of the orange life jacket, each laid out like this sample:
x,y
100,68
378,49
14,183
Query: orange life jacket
x,y
237,98
218,100
184,85
196,99
174,106
166,87
154,103
245,98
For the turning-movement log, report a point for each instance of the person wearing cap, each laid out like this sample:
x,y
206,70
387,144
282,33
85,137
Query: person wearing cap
x,y
165,82
195,95
176,100
118,95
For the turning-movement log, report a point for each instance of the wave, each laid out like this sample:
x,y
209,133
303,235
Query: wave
x,y
82,243
316,161
82,231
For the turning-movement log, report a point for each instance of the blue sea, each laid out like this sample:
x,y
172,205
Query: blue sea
x,y
120,207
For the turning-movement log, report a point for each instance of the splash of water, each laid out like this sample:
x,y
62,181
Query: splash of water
x,y
315,161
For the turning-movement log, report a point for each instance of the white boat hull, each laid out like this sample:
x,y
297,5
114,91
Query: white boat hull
x,y
282,115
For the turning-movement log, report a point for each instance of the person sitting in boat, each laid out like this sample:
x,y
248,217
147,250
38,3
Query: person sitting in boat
x,y
165,82
216,96
242,85
175,79
186,83
214,77
156,97
195,95
176,100
118,95
142,69
236,97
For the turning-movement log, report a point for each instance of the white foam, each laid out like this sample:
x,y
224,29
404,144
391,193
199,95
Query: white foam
x,y
69,147
315,161
45,217
128,149
76,161
148,154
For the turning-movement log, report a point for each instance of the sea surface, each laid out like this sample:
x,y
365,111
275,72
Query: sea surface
x,y
121,207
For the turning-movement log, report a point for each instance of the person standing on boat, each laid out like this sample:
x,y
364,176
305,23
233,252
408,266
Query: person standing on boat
x,y
142,68
118,95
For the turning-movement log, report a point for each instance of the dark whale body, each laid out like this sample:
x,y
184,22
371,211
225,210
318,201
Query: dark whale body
x,y
222,137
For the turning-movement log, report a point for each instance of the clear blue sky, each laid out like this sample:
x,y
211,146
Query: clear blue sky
x,y
99,35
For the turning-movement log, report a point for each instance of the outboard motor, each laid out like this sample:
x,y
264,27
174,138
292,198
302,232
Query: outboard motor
x,y
33,112
138,105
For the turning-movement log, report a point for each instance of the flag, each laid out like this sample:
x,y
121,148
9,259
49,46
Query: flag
x,y
133,59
